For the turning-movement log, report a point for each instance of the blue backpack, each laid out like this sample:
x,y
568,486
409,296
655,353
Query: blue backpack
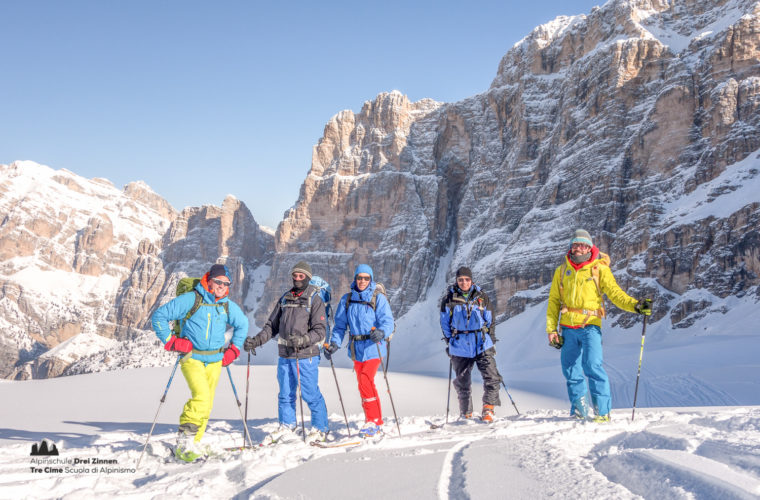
x,y
325,293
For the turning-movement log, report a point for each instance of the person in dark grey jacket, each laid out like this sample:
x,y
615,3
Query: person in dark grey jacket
x,y
298,320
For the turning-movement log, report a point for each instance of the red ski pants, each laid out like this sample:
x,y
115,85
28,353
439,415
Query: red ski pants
x,y
365,375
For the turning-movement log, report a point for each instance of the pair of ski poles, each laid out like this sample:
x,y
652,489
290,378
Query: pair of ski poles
x,y
246,433
448,396
387,384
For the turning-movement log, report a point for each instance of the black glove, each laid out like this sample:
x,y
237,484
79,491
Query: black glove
x,y
251,343
329,350
644,306
557,344
376,335
300,341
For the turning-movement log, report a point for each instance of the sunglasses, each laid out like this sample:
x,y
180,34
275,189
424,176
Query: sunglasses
x,y
222,283
363,278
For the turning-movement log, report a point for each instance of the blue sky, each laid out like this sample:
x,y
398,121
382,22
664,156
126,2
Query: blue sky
x,y
204,99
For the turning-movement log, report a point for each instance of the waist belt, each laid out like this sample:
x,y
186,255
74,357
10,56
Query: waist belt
x,y
208,353
351,340
456,332
597,313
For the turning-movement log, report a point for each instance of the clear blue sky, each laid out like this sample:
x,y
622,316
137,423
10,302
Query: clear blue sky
x,y
202,99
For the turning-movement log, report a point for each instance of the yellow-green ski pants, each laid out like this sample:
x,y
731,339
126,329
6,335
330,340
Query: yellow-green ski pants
x,y
201,379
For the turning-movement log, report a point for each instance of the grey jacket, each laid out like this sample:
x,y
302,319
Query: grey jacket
x,y
292,316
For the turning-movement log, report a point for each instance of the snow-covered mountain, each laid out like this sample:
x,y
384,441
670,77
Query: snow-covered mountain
x,y
638,121
83,264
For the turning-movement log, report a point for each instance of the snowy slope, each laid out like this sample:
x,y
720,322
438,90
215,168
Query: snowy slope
x,y
664,453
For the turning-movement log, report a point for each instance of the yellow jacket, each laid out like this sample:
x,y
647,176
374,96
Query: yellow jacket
x,y
580,293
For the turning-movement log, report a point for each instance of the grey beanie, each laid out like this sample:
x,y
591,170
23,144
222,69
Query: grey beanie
x,y
582,236
302,267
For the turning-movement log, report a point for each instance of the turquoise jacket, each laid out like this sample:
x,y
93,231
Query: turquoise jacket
x,y
205,329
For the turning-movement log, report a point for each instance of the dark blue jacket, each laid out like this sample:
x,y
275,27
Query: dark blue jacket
x,y
467,322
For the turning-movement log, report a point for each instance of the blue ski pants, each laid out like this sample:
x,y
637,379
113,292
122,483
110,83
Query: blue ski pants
x,y
287,376
581,355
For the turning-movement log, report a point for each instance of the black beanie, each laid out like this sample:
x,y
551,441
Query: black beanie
x,y
219,270
464,271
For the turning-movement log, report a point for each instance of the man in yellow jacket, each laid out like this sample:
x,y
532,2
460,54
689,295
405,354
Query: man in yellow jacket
x,y
576,309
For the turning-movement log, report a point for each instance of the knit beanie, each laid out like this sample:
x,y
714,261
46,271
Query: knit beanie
x,y
219,270
582,236
464,271
302,267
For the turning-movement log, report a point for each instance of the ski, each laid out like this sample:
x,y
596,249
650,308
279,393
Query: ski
x,y
336,444
240,448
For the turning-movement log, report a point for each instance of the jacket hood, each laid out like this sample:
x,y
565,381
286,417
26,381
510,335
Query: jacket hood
x,y
364,268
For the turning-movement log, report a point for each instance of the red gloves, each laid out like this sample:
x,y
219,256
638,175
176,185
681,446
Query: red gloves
x,y
230,355
179,345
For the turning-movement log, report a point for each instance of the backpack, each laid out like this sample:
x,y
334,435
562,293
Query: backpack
x,y
325,293
321,287
186,285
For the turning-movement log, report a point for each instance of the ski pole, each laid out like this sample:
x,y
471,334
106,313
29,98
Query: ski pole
x,y
641,355
298,395
247,387
388,355
332,365
237,399
448,397
508,394
385,374
163,398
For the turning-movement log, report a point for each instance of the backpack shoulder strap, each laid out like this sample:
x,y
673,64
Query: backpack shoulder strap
x,y
348,300
193,310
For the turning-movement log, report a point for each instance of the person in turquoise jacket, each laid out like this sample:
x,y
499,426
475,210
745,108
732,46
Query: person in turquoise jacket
x,y
366,315
202,341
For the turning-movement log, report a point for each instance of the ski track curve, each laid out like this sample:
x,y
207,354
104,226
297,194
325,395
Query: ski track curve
x,y
453,479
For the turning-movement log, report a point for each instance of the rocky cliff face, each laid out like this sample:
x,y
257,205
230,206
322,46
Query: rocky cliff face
x,y
609,121
82,262
638,122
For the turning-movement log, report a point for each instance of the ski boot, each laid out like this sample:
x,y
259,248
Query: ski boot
x,y
579,408
370,430
487,415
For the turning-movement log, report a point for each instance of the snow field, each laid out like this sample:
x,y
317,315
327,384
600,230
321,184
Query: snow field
x,y
663,453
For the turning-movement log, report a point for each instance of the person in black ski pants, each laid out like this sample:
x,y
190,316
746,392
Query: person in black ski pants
x,y
467,324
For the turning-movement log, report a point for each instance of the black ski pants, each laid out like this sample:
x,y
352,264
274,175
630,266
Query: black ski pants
x,y
463,382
